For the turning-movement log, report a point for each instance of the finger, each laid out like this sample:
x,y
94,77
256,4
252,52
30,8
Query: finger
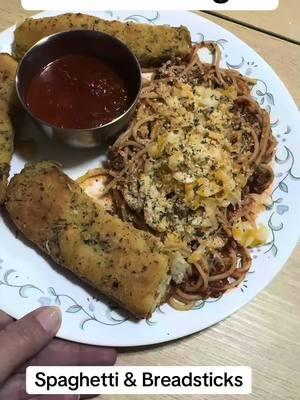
x,y
22,339
61,353
5,320
15,389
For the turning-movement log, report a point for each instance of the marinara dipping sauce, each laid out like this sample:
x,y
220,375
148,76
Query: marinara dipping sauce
x,y
77,91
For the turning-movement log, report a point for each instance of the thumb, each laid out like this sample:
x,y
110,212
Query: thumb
x,y
26,337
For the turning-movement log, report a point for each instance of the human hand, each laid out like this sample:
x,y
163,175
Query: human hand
x,y
29,341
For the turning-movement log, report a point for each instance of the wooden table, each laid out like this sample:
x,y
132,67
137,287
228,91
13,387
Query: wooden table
x,y
280,22
265,334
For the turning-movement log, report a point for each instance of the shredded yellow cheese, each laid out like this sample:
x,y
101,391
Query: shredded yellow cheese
x,y
193,173
250,235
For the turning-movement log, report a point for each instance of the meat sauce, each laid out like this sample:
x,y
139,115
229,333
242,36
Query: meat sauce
x,y
77,91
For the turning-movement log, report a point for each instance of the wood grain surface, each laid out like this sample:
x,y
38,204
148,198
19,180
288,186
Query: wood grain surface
x,y
265,334
283,21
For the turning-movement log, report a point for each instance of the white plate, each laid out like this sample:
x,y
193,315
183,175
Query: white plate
x,y
28,280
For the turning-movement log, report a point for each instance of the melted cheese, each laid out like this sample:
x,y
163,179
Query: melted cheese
x,y
193,173
250,235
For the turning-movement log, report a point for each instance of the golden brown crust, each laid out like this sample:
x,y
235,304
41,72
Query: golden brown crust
x,y
8,67
123,263
151,44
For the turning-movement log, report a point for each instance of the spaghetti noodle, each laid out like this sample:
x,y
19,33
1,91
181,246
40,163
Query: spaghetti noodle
x,y
189,167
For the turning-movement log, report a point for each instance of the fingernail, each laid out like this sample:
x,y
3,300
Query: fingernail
x,y
49,318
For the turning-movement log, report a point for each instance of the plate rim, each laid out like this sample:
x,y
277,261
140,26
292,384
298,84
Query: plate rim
x,y
272,274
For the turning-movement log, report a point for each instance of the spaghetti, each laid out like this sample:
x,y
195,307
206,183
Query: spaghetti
x,y
190,169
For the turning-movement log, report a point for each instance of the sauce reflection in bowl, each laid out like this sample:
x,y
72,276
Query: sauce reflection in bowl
x,y
80,86
77,91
